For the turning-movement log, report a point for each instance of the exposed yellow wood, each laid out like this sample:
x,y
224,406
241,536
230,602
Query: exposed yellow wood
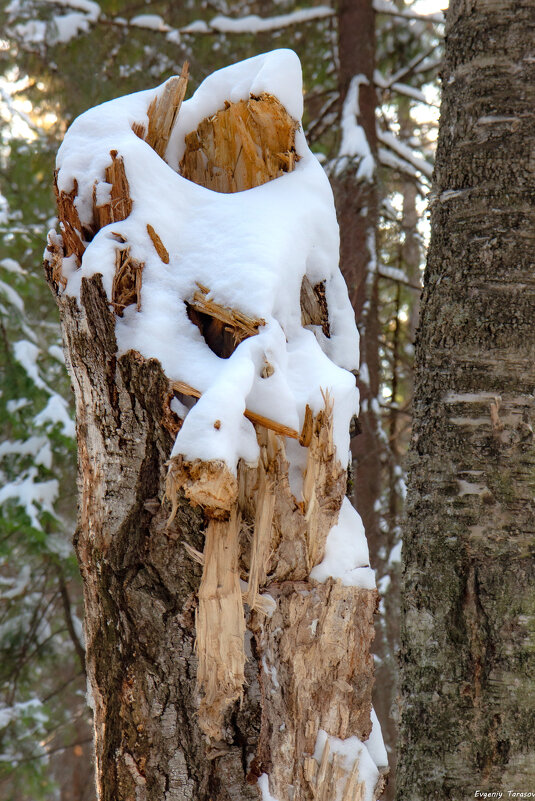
x,y
324,766
196,555
310,769
163,112
308,427
158,244
185,389
242,325
241,146
71,227
314,309
261,544
354,790
119,205
208,484
220,626
126,285
322,472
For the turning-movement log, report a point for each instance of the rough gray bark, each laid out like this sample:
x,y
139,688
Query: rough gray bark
x,y
140,585
468,661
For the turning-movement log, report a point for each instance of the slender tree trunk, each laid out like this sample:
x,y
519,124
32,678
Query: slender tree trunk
x,y
357,211
356,205
468,662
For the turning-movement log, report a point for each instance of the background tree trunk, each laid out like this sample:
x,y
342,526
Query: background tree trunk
x,y
356,206
468,665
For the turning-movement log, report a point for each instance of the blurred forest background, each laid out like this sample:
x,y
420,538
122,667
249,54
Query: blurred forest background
x,y
371,115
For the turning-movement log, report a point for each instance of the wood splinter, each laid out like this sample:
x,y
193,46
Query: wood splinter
x,y
208,484
220,626
222,328
163,112
126,286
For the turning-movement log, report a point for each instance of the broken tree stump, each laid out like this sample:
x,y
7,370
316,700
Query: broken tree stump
x,y
219,667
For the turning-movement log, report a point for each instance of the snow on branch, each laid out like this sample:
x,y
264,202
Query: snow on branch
x,y
396,275
400,156
402,89
387,7
255,24
354,145
414,66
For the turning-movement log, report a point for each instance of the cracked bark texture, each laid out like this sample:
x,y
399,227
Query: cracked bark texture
x,y
468,628
140,585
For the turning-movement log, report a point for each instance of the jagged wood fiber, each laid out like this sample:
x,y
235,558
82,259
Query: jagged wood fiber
x,y
179,558
242,146
468,657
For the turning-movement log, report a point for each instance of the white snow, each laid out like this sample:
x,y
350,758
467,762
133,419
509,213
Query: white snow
x,y
375,743
12,266
12,295
26,353
38,447
350,750
404,153
67,26
255,24
263,783
32,494
395,554
239,245
151,21
32,32
354,144
56,411
89,7
346,552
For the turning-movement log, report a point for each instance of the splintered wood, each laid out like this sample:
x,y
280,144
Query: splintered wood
x,y
318,640
242,146
222,328
312,639
126,286
163,112
181,388
321,486
314,309
71,227
220,625
210,485
118,205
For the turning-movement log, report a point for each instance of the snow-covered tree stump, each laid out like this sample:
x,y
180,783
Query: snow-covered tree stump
x,y
209,338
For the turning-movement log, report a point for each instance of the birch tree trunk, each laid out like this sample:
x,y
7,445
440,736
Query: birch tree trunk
x,y
189,703
468,661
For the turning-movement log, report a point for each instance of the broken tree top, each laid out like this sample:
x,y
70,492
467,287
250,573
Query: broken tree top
x,y
249,249
213,228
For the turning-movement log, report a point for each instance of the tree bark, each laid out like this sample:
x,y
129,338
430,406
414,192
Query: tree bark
x,y
468,664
